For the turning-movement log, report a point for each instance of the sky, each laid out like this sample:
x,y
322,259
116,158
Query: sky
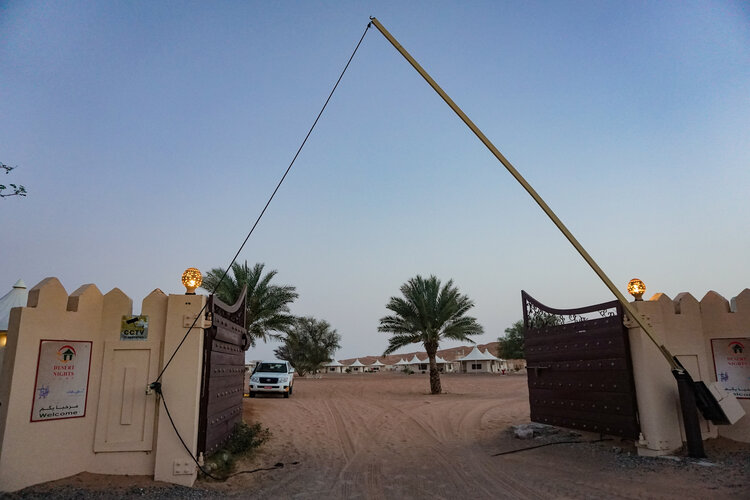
x,y
149,136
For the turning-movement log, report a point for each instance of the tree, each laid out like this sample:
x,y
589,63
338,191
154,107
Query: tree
x,y
428,313
15,189
308,344
511,345
267,305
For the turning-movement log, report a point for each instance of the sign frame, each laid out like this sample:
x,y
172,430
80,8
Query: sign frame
x,y
745,363
85,347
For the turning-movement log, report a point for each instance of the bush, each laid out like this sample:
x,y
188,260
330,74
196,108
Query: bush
x,y
243,441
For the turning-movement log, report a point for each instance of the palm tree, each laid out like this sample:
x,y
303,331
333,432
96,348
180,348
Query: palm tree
x,y
267,305
428,313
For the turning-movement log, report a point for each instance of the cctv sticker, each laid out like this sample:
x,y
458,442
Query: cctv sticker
x,y
134,328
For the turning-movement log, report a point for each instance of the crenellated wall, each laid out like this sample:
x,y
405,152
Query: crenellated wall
x,y
122,431
686,327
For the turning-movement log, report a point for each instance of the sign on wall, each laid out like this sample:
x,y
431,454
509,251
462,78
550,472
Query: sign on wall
x,y
62,378
732,364
134,328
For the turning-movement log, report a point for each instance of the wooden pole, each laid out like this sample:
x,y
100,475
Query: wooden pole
x,y
538,199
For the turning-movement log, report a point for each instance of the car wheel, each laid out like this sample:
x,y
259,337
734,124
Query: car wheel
x,y
290,389
286,394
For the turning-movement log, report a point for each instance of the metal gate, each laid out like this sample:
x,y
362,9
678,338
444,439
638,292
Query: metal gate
x,y
222,385
580,373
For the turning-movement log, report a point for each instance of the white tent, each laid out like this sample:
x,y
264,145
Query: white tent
x,y
480,362
447,366
333,367
17,297
377,366
418,365
400,365
357,366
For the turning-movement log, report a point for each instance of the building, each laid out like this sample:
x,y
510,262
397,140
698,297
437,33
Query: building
x,y
481,362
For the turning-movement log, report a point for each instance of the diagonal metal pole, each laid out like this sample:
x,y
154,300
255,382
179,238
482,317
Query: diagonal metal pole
x,y
538,199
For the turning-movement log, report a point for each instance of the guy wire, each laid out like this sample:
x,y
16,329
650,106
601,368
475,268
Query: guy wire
x,y
252,229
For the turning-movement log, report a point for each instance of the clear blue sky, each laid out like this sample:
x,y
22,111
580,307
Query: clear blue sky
x,y
150,134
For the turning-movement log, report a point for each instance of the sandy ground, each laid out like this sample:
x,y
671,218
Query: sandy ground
x,y
384,436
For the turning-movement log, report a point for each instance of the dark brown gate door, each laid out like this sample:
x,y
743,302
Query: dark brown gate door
x,y
222,388
579,369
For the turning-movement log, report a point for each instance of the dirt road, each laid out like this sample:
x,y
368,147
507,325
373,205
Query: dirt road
x,y
383,436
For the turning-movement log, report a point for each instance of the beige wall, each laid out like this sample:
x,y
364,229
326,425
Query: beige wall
x,y
123,431
685,326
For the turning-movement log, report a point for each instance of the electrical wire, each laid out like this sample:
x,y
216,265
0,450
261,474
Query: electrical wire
x,y
548,444
279,465
156,385
252,229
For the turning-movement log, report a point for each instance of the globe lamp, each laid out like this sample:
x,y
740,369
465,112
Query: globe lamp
x,y
191,279
636,288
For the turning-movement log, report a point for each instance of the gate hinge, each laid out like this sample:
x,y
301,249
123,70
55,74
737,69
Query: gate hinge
x,y
188,319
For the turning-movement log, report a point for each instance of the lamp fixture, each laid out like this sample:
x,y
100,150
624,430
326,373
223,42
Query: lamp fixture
x,y
191,279
636,288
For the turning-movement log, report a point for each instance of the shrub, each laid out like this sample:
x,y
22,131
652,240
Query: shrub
x,y
243,441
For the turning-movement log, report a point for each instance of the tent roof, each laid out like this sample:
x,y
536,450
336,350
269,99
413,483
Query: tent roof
x,y
17,297
401,362
439,360
333,363
488,353
377,363
477,355
357,363
415,361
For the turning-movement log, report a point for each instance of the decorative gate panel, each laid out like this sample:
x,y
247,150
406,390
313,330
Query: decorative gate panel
x,y
222,387
580,373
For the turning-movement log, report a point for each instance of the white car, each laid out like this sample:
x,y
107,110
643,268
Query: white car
x,y
272,376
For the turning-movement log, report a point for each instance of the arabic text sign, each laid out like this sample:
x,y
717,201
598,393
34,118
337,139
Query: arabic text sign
x,y
62,377
732,363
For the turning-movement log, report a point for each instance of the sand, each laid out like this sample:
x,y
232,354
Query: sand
x,y
383,436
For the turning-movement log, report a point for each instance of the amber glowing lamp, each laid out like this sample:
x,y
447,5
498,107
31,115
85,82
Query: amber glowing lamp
x,y
191,279
636,288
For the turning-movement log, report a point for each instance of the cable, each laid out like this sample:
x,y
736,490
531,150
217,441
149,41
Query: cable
x,y
157,388
279,465
156,385
252,229
547,444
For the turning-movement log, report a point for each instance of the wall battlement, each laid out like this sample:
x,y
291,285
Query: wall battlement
x,y
121,430
686,326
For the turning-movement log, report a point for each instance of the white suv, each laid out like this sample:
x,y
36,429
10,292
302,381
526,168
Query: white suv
x,y
272,376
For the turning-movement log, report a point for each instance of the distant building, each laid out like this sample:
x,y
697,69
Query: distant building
x,y
17,297
333,367
481,362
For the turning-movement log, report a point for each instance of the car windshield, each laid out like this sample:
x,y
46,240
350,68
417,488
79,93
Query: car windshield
x,y
272,368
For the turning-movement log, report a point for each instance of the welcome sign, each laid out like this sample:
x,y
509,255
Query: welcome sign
x,y
62,379
732,364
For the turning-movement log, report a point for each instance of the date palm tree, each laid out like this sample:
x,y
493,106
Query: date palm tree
x,y
428,313
267,305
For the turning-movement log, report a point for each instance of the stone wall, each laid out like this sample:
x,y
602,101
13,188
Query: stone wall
x,y
124,430
686,327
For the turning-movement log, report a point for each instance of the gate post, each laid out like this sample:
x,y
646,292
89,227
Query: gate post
x,y
180,385
689,413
